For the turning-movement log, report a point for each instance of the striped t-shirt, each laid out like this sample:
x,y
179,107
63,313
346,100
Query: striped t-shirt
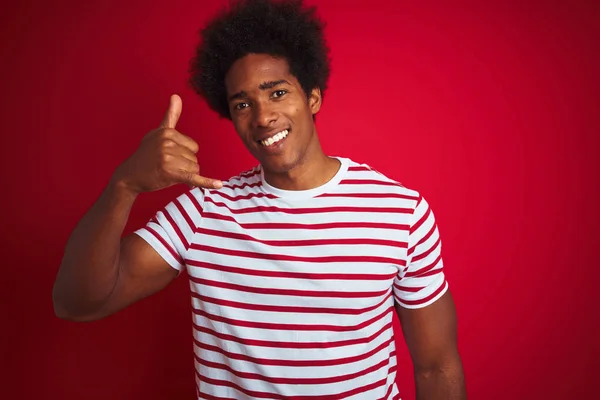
x,y
293,291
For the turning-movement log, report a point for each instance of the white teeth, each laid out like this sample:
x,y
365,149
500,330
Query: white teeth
x,y
275,138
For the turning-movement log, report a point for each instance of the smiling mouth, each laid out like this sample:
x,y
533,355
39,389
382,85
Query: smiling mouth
x,y
275,138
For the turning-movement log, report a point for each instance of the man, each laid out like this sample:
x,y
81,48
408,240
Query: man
x,y
295,266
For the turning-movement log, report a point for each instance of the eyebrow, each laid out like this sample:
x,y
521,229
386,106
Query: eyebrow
x,y
271,84
263,86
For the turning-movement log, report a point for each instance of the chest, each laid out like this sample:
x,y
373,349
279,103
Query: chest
x,y
309,255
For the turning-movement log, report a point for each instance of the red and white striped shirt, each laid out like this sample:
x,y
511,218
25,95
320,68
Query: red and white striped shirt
x,y
293,291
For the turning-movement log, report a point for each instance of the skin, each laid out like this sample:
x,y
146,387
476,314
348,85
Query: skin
x,y
430,335
103,272
265,98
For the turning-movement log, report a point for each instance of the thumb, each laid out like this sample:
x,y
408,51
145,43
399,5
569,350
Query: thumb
x,y
173,112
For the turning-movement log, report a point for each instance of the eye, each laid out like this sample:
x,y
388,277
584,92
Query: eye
x,y
241,106
279,93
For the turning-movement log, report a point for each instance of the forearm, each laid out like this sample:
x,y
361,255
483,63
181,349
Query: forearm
x,y
89,269
443,383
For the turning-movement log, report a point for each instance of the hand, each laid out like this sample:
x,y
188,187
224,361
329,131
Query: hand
x,y
165,158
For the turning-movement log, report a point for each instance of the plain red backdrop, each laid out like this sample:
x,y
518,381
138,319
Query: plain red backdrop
x,y
491,111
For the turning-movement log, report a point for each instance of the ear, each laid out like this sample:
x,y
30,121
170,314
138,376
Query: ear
x,y
314,100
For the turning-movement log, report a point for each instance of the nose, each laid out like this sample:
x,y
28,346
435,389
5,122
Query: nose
x,y
264,115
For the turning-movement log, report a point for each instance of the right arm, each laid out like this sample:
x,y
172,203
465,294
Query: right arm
x,y
103,272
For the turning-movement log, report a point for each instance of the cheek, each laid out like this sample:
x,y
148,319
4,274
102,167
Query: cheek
x,y
240,126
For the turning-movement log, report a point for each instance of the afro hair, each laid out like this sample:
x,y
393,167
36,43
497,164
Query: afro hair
x,y
285,29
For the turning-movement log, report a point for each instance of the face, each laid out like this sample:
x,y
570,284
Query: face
x,y
271,113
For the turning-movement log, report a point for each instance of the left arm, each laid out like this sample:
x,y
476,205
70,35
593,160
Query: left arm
x,y
426,311
430,334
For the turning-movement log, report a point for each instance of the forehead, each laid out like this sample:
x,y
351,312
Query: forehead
x,y
248,72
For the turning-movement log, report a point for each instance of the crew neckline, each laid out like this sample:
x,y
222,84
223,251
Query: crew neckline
x,y
309,193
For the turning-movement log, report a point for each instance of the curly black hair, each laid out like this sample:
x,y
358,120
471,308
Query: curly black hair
x,y
284,29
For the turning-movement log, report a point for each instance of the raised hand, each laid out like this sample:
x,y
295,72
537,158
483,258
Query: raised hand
x,y
164,158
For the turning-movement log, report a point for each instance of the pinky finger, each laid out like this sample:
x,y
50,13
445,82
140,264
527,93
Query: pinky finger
x,y
207,183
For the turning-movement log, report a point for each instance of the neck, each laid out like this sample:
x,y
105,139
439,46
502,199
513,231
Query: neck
x,y
313,170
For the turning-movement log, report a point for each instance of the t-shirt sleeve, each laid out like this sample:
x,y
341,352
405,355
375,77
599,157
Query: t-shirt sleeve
x,y
422,281
171,229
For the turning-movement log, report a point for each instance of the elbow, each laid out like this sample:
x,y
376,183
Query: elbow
x,y
450,365
63,311
432,373
60,311
438,377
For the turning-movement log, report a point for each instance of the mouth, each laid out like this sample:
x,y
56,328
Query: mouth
x,y
271,141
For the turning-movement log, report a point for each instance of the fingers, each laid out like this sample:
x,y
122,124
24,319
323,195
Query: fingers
x,y
187,154
173,112
184,141
200,181
188,174
188,166
169,122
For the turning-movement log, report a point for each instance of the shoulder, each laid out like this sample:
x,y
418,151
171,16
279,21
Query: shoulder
x,y
245,182
191,202
369,178
249,178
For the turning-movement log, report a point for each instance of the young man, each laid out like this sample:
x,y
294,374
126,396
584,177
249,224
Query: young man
x,y
296,266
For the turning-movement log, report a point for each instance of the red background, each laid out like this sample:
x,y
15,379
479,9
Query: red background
x,y
491,111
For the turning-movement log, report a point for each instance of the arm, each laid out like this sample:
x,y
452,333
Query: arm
x,y
430,334
101,272
426,311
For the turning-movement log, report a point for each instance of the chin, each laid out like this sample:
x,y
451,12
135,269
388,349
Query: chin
x,y
279,164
